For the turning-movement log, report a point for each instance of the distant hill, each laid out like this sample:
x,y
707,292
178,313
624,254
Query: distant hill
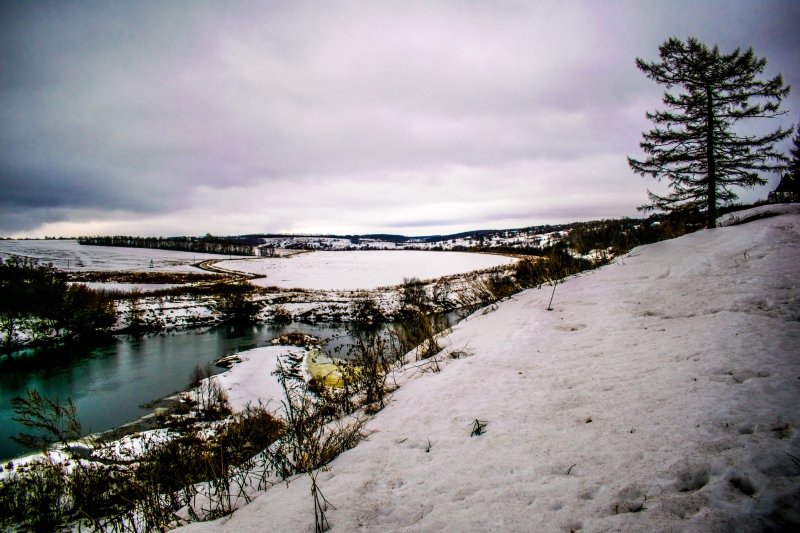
x,y
582,237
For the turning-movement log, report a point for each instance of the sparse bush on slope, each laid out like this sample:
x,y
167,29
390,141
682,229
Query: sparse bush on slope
x,y
106,488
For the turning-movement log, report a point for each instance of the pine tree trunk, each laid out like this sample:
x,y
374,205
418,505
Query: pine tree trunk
x,y
711,164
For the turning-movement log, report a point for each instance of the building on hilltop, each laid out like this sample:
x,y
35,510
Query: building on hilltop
x,y
788,190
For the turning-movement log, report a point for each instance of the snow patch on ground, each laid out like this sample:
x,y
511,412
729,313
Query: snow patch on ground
x,y
251,380
762,211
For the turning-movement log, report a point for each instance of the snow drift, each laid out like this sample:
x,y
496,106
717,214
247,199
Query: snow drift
x,y
661,393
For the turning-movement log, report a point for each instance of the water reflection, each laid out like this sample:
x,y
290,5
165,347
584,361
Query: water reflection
x,y
110,384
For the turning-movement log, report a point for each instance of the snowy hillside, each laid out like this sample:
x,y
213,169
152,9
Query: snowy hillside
x,y
541,236
661,393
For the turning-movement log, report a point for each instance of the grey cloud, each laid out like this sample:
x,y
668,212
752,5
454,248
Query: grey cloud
x,y
37,190
144,106
14,219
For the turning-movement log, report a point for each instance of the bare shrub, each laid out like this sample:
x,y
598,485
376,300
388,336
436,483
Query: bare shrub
x,y
321,504
442,291
531,273
280,314
233,303
474,294
199,373
311,439
501,286
48,496
115,491
413,295
211,398
139,319
366,310
36,500
99,493
52,420
478,428
416,330
370,361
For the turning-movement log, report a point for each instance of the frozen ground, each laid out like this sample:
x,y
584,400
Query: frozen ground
x,y
660,394
251,380
71,256
360,270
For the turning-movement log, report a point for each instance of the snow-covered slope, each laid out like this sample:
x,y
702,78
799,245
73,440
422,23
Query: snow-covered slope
x,y
661,393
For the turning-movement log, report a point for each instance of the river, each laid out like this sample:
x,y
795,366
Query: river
x,y
110,384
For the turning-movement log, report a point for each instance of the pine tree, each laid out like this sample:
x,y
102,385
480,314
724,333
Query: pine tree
x,y
693,144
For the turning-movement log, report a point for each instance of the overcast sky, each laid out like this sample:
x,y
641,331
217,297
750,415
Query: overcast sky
x,y
182,118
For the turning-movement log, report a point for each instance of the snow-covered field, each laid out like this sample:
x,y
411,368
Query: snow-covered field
x,y
71,256
317,270
360,270
660,394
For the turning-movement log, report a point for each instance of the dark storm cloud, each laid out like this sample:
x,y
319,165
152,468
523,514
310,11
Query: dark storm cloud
x,y
41,191
187,117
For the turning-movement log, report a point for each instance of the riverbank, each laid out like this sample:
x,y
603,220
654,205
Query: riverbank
x,y
276,304
248,380
110,384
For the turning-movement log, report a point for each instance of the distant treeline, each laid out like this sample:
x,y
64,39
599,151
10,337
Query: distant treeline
x,y
259,238
207,244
